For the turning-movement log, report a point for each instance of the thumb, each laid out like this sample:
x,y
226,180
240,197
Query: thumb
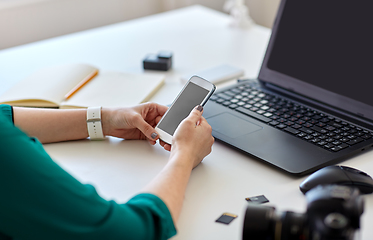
x,y
196,114
147,129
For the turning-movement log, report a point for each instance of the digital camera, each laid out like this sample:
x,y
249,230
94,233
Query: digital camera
x,y
333,212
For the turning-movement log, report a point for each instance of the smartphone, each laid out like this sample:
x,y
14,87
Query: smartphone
x,y
218,74
195,92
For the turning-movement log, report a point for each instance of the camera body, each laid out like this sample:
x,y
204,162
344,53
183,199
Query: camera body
x,y
333,212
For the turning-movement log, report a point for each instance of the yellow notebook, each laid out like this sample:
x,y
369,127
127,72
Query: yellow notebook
x,y
48,87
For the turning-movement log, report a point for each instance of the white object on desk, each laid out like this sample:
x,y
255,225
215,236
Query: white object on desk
x,y
217,74
239,12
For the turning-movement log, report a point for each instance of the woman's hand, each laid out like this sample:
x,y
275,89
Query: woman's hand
x,y
191,142
136,122
193,137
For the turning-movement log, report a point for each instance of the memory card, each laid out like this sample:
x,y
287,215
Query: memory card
x,y
257,199
226,218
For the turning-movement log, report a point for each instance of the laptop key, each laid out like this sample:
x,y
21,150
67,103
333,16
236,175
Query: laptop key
x,y
253,114
235,90
366,136
213,98
328,145
229,93
222,95
336,125
321,143
306,130
320,130
359,134
292,130
354,141
226,103
233,106
274,123
302,134
308,137
330,128
339,147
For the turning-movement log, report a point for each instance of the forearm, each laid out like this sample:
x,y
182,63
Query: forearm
x,y
170,184
52,125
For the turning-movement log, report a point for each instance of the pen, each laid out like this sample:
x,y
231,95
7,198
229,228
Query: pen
x,y
81,84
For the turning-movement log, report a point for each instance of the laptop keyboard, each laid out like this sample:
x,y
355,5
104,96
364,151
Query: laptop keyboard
x,y
308,124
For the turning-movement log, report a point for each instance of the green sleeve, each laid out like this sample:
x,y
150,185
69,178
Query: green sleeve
x,y
7,111
40,200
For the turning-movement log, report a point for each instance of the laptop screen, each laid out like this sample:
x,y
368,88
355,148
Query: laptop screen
x,y
324,50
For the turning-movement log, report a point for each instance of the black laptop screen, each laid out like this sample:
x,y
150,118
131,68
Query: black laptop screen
x,y
327,44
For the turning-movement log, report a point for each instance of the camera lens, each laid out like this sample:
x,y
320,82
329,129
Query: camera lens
x,y
293,226
263,223
259,223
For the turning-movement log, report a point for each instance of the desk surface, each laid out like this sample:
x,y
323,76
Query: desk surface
x,y
200,38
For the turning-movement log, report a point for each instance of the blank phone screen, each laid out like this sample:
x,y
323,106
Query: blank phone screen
x,y
192,96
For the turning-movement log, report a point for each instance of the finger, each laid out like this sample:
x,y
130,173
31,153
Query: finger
x,y
162,142
156,109
146,129
167,147
161,109
157,119
196,114
203,120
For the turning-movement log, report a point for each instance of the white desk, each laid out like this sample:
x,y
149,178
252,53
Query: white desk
x,y
200,38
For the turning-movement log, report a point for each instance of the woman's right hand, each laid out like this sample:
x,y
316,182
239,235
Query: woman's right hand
x,y
193,137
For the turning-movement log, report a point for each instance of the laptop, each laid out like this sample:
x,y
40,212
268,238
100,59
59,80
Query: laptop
x,y
312,104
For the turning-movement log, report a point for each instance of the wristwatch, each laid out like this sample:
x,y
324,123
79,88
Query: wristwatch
x,y
94,123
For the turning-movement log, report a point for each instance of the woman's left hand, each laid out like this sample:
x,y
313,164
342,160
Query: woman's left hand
x,y
136,122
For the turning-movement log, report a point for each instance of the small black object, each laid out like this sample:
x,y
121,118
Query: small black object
x,y
333,212
226,218
161,61
340,175
257,199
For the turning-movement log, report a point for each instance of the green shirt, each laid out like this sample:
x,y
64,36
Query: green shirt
x,y
39,200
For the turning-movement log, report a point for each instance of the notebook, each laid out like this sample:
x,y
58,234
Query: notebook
x,y
49,87
312,104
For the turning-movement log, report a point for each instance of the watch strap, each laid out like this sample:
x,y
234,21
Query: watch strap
x,y
94,123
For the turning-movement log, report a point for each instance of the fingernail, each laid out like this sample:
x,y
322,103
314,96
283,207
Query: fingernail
x,y
154,135
199,108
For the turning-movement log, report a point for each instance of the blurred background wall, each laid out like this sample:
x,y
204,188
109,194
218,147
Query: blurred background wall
x,y
24,21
